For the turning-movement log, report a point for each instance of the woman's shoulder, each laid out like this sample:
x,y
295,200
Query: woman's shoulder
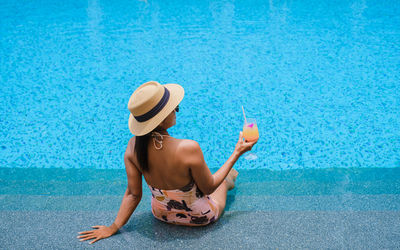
x,y
130,148
189,152
187,145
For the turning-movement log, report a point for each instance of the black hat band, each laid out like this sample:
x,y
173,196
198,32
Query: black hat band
x,y
154,111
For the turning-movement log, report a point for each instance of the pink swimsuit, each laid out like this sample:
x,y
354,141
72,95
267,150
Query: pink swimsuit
x,y
185,206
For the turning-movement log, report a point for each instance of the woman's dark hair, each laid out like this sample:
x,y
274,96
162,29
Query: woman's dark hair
x,y
141,145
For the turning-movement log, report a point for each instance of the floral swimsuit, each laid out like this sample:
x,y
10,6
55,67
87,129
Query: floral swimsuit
x,y
185,206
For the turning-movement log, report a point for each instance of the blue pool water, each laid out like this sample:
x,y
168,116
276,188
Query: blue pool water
x,y
321,77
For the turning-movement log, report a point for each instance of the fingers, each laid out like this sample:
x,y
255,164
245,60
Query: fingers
x,y
240,136
250,143
91,231
254,142
88,237
94,241
92,234
87,232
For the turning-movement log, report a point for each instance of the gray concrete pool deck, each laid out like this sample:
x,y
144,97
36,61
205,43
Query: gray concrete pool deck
x,y
325,208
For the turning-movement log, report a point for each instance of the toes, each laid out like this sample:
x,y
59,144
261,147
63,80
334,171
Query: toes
x,y
233,173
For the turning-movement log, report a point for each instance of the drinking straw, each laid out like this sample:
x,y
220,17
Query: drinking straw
x,y
244,115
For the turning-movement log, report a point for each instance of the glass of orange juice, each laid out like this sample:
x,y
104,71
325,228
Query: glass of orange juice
x,y
250,133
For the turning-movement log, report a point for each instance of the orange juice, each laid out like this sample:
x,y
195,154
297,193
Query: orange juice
x,y
250,130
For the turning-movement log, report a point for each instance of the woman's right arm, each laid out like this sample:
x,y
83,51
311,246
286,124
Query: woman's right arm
x,y
130,201
207,182
132,196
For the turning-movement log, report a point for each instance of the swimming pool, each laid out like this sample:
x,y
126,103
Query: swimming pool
x,y
321,77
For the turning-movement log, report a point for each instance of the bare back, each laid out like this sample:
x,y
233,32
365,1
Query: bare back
x,y
175,165
166,169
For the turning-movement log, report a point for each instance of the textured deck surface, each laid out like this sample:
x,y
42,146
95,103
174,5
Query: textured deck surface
x,y
331,208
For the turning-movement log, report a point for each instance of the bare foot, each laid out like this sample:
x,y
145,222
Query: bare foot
x,y
231,178
234,173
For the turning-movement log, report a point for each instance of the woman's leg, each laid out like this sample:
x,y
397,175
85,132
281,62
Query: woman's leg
x,y
219,195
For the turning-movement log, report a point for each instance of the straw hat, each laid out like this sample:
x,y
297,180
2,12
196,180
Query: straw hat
x,y
150,104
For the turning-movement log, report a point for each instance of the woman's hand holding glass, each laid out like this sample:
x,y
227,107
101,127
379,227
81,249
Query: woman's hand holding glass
x,y
242,146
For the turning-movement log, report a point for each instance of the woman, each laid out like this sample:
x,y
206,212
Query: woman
x,y
183,189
